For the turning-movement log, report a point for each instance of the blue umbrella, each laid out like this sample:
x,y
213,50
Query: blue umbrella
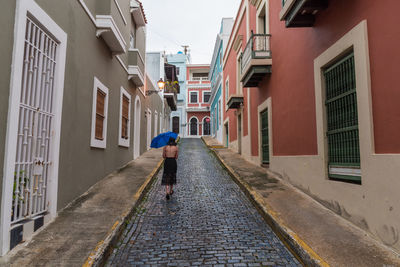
x,y
162,139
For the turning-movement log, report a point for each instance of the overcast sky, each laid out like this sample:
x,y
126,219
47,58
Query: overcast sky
x,y
172,23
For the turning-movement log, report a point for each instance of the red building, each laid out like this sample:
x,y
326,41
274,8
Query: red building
x,y
198,96
311,92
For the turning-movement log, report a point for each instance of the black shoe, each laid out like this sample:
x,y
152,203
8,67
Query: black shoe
x,y
167,196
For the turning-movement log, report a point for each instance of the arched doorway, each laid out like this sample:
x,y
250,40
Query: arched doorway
x,y
193,126
206,126
136,140
175,124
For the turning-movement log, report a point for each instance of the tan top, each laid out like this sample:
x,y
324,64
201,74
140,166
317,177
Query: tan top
x,y
170,152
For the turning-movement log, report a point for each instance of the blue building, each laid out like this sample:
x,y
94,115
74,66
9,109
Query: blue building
x,y
178,117
215,76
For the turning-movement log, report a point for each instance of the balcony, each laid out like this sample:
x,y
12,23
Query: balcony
x,y
138,13
235,101
301,13
256,60
135,67
170,94
108,30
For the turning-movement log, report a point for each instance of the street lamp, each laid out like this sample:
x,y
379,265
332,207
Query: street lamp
x,y
160,84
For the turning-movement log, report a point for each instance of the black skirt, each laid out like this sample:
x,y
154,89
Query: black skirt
x,y
169,175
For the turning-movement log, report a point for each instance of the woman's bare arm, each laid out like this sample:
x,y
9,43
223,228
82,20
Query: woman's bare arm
x,y
176,154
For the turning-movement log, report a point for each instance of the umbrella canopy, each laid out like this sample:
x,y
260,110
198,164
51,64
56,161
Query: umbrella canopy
x,y
162,139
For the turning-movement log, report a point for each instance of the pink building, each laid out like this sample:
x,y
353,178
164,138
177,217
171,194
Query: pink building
x,y
311,92
198,106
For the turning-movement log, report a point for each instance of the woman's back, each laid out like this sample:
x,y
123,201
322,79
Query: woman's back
x,y
170,152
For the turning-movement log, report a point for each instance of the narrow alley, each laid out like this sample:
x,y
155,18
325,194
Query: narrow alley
x,y
208,221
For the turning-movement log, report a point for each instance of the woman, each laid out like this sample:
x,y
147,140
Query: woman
x,y
170,153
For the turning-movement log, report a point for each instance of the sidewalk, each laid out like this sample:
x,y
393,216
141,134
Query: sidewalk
x,y
316,234
83,232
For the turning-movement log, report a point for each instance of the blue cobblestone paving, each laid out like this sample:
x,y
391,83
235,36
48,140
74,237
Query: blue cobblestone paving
x,y
207,222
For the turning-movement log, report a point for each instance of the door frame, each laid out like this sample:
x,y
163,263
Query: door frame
x,y
29,8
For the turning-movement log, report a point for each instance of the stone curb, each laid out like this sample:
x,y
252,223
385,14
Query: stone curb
x,y
301,250
99,255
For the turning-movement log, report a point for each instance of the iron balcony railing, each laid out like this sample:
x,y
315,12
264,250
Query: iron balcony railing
x,y
258,47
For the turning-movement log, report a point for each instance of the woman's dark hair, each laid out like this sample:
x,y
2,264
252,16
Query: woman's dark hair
x,y
171,142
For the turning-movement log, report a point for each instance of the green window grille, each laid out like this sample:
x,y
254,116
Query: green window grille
x,y
342,117
264,137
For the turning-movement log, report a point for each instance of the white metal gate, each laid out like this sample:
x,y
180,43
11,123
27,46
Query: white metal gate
x,y
36,112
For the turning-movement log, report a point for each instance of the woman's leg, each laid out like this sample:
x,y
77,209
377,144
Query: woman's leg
x,y
171,191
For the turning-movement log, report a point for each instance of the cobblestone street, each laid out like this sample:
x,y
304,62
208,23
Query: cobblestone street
x,y
208,221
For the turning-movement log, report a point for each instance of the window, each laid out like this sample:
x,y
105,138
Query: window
x,y
193,97
99,115
177,70
101,97
342,120
206,97
155,123
201,76
219,114
125,118
132,41
239,89
226,91
215,122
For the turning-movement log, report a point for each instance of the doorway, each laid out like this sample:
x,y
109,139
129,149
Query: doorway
x,y
136,144
264,137
206,126
175,124
148,129
240,134
226,126
193,126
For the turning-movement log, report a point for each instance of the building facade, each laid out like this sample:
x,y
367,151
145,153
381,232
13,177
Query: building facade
x,y
312,98
198,106
215,76
73,106
178,117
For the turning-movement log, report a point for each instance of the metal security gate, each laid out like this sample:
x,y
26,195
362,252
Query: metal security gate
x,y
264,137
32,162
342,118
